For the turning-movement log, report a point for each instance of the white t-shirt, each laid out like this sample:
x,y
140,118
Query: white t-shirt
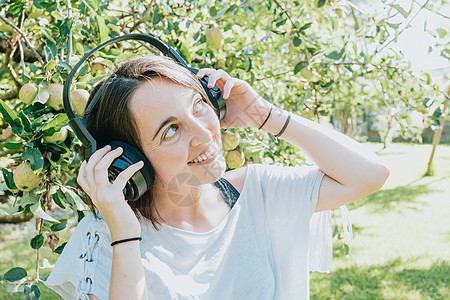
x,y
259,251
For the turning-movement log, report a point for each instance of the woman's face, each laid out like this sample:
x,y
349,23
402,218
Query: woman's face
x,y
177,128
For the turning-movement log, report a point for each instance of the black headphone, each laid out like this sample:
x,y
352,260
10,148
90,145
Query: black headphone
x,y
143,179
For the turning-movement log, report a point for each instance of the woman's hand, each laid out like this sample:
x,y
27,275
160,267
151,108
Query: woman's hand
x,y
108,197
244,106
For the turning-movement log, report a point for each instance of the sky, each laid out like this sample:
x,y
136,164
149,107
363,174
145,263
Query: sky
x,y
414,42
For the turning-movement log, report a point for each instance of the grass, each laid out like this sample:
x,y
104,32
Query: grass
x,y
401,245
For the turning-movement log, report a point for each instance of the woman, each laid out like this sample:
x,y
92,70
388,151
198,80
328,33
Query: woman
x,y
206,233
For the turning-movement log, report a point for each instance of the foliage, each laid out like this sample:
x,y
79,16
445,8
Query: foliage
x,y
319,59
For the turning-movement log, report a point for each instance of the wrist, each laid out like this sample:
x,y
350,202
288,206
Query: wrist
x,y
277,121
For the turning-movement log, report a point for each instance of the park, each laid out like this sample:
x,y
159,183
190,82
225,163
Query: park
x,y
354,66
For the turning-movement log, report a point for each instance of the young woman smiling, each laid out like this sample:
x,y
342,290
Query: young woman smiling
x,y
201,232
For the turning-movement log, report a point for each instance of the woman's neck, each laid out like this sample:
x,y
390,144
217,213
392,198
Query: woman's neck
x,y
190,207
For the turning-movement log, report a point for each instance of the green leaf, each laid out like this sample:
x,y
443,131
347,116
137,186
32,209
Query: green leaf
x,y
37,241
184,51
58,198
441,32
80,205
37,210
335,55
296,41
16,9
304,27
8,115
57,122
300,66
60,226
103,30
321,3
401,10
394,26
13,145
35,157
54,148
60,248
42,96
248,63
65,27
25,121
9,180
31,293
335,230
427,102
15,274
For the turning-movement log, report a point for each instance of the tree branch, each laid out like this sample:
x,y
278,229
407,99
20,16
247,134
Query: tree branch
x,y
404,27
69,38
22,35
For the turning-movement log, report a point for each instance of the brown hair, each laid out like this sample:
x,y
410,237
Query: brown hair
x,y
111,118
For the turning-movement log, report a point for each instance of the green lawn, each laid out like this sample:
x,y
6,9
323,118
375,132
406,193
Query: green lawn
x,y
401,245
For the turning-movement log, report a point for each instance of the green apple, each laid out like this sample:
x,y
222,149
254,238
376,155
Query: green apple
x,y
98,68
292,48
79,99
235,159
24,177
28,92
58,137
306,73
55,99
214,38
230,140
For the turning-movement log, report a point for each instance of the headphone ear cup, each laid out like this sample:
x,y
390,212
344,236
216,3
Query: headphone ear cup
x,y
142,180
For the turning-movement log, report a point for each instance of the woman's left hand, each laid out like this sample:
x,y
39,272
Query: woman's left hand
x,y
244,106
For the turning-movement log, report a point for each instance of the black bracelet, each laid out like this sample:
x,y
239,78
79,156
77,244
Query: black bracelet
x,y
126,240
268,116
284,126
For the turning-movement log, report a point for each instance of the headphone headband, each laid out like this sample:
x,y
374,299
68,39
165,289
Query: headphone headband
x,y
79,125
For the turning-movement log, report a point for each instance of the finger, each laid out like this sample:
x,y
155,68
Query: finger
x,y
101,169
93,161
218,75
81,179
227,88
125,175
205,71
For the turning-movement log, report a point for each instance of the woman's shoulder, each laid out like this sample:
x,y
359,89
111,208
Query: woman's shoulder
x,y
236,177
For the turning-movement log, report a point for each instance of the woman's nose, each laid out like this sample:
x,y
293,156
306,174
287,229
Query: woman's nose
x,y
201,133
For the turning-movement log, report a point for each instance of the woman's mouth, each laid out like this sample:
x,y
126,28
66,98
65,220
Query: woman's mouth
x,y
205,158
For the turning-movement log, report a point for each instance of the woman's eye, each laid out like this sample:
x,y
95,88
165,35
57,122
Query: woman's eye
x,y
199,105
170,132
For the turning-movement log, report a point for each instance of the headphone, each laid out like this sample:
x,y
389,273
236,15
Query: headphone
x,y
143,179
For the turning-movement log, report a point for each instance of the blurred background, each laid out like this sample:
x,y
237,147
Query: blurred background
x,y
376,70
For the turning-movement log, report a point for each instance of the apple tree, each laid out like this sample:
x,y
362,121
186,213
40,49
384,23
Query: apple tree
x,y
320,59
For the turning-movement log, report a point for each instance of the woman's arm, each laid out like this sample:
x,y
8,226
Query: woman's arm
x,y
127,273
351,171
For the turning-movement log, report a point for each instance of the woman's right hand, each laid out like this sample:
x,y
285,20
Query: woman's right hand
x,y
108,197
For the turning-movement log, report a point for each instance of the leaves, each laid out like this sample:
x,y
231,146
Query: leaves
x,y
34,156
31,293
103,30
401,10
8,176
8,115
15,274
37,241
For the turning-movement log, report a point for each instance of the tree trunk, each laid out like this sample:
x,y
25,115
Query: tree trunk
x,y
436,139
15,219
